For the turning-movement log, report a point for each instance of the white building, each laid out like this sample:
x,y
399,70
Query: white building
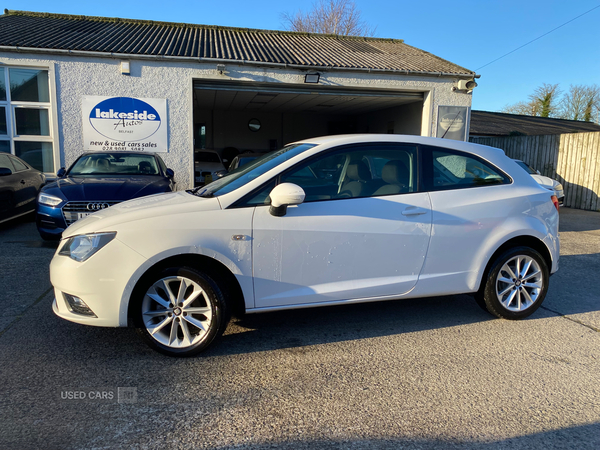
x,y
219,87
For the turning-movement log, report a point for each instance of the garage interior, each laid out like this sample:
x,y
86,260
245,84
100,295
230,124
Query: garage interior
x,y
223,112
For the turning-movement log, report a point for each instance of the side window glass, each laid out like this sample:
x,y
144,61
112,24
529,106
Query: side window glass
x,y
393,170
455,170
354,172
18,164
261,197
5,163
319,178
162,165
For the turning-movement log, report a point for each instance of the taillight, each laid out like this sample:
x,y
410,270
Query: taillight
x,y
555,201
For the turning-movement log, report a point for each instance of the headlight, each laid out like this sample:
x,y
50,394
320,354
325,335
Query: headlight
x,y
558,187
84,246
49,200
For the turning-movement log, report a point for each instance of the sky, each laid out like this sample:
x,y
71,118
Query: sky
x,y
470,33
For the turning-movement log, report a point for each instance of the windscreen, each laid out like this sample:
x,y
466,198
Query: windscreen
x,y
115,164
207,157
251,171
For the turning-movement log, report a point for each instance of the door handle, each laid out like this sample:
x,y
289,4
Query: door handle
x,y
413,211
22,181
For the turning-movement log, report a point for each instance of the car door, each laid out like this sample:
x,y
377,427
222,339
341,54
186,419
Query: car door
x,y
29,182
357,235
9,189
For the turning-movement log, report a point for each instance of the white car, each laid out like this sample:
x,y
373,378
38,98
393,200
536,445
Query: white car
x,y
208,166
330,220
546,182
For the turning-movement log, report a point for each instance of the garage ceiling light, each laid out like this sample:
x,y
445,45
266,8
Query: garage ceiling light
x,y
312,78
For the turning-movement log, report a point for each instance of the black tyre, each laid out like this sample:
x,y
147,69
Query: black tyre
x,y
179,311
515,285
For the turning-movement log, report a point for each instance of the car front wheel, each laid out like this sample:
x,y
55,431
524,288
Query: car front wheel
x,y
180,311
516,284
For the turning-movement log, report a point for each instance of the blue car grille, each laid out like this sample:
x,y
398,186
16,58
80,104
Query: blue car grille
x,y
72,210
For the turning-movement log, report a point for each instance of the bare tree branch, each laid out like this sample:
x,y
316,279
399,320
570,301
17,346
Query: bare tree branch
x,y
340,17
531,108
581,103
546,98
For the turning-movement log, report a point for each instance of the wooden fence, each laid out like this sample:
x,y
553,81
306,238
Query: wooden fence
x,y
573,159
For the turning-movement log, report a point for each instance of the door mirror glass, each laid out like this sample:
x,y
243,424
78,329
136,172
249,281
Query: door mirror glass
x,y
61,172
169,173
283,195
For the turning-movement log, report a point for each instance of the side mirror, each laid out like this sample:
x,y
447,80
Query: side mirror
x,y
4,171
283,195
538,172
169,173
61,172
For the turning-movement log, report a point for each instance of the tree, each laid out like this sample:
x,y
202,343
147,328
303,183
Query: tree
x,y
581,103
339,17
530,108
545,97
543,102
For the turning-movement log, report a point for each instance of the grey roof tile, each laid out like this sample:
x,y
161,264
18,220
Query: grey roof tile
x,y
137,37
486,123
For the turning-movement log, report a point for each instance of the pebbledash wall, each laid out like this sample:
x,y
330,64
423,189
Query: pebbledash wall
x,y
73,76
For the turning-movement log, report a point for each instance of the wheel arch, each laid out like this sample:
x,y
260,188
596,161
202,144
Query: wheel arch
x,y
213,268
518,241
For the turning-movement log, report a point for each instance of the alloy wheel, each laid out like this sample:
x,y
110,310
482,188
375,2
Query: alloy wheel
x,y
519,283
177,312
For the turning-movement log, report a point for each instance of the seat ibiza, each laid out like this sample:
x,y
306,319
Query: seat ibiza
x,y
330,220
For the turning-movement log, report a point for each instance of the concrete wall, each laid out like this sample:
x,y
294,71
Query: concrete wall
x,y
72,77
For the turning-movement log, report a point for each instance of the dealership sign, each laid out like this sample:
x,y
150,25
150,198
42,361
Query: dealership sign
x,y
124,123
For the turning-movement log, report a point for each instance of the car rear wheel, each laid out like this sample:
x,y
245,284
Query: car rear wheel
x,y
516,284
180,311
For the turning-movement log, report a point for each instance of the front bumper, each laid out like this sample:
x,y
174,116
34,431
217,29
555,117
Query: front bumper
x,y
50,221
103,282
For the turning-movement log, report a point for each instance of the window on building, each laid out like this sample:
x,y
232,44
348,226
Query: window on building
x,y
25,116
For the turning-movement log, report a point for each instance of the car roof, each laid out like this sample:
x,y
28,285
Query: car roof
x,y
399,138
209,150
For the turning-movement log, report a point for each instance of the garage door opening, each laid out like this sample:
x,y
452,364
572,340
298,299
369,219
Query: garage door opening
x,y
238,118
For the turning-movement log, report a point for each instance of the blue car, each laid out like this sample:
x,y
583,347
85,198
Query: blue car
x,y
96,181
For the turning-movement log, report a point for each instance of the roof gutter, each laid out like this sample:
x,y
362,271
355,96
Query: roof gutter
x,y
228,61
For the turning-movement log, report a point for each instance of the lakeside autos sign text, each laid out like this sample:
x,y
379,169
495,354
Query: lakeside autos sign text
x,y
124,123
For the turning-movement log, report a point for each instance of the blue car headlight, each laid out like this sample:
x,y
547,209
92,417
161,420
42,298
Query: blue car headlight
x,y
82,247
49,200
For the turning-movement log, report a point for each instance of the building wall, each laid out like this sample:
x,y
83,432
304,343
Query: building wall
x,y
77,76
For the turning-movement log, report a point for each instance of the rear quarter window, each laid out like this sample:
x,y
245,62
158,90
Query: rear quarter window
x,y
450,169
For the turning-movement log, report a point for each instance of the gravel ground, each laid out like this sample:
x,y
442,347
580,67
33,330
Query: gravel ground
x,y
415,374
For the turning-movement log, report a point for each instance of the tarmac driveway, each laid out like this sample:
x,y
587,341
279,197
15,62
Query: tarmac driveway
x,y
428,373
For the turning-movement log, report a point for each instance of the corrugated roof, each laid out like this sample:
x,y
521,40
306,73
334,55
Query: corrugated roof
x,y
136,37
486,123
